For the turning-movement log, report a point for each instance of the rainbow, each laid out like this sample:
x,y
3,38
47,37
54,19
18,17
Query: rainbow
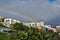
x,y
15,13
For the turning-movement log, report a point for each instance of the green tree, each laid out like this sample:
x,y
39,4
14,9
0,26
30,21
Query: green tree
x,y
20,26
3,36
25,33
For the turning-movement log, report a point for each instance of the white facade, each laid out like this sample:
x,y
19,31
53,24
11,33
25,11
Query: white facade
x,y
58,26
8,21
27,24
49,28
34,24
40,24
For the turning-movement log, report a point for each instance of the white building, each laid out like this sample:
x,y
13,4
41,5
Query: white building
x,y
31,24
34,24
27,24
49,28
58,26
40,23
8,21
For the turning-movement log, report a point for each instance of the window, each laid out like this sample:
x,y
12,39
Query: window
x,y
7,20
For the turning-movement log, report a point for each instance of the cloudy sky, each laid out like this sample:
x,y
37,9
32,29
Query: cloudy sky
x,y
32,9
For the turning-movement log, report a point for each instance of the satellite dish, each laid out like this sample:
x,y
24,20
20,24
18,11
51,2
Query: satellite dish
x,y
52,1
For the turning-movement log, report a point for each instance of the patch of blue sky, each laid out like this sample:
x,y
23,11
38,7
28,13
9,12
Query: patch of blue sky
x,y
52,1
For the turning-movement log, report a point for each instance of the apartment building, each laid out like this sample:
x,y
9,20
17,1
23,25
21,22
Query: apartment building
x,y
9,21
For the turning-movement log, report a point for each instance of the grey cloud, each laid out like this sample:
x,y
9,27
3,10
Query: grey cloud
x,y
35,9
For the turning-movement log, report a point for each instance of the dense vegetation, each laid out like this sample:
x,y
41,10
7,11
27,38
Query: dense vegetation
x,y
25,33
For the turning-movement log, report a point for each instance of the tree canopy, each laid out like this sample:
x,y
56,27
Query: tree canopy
x,y
25,33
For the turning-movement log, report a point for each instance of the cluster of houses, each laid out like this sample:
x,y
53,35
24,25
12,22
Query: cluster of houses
x,y
8,21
